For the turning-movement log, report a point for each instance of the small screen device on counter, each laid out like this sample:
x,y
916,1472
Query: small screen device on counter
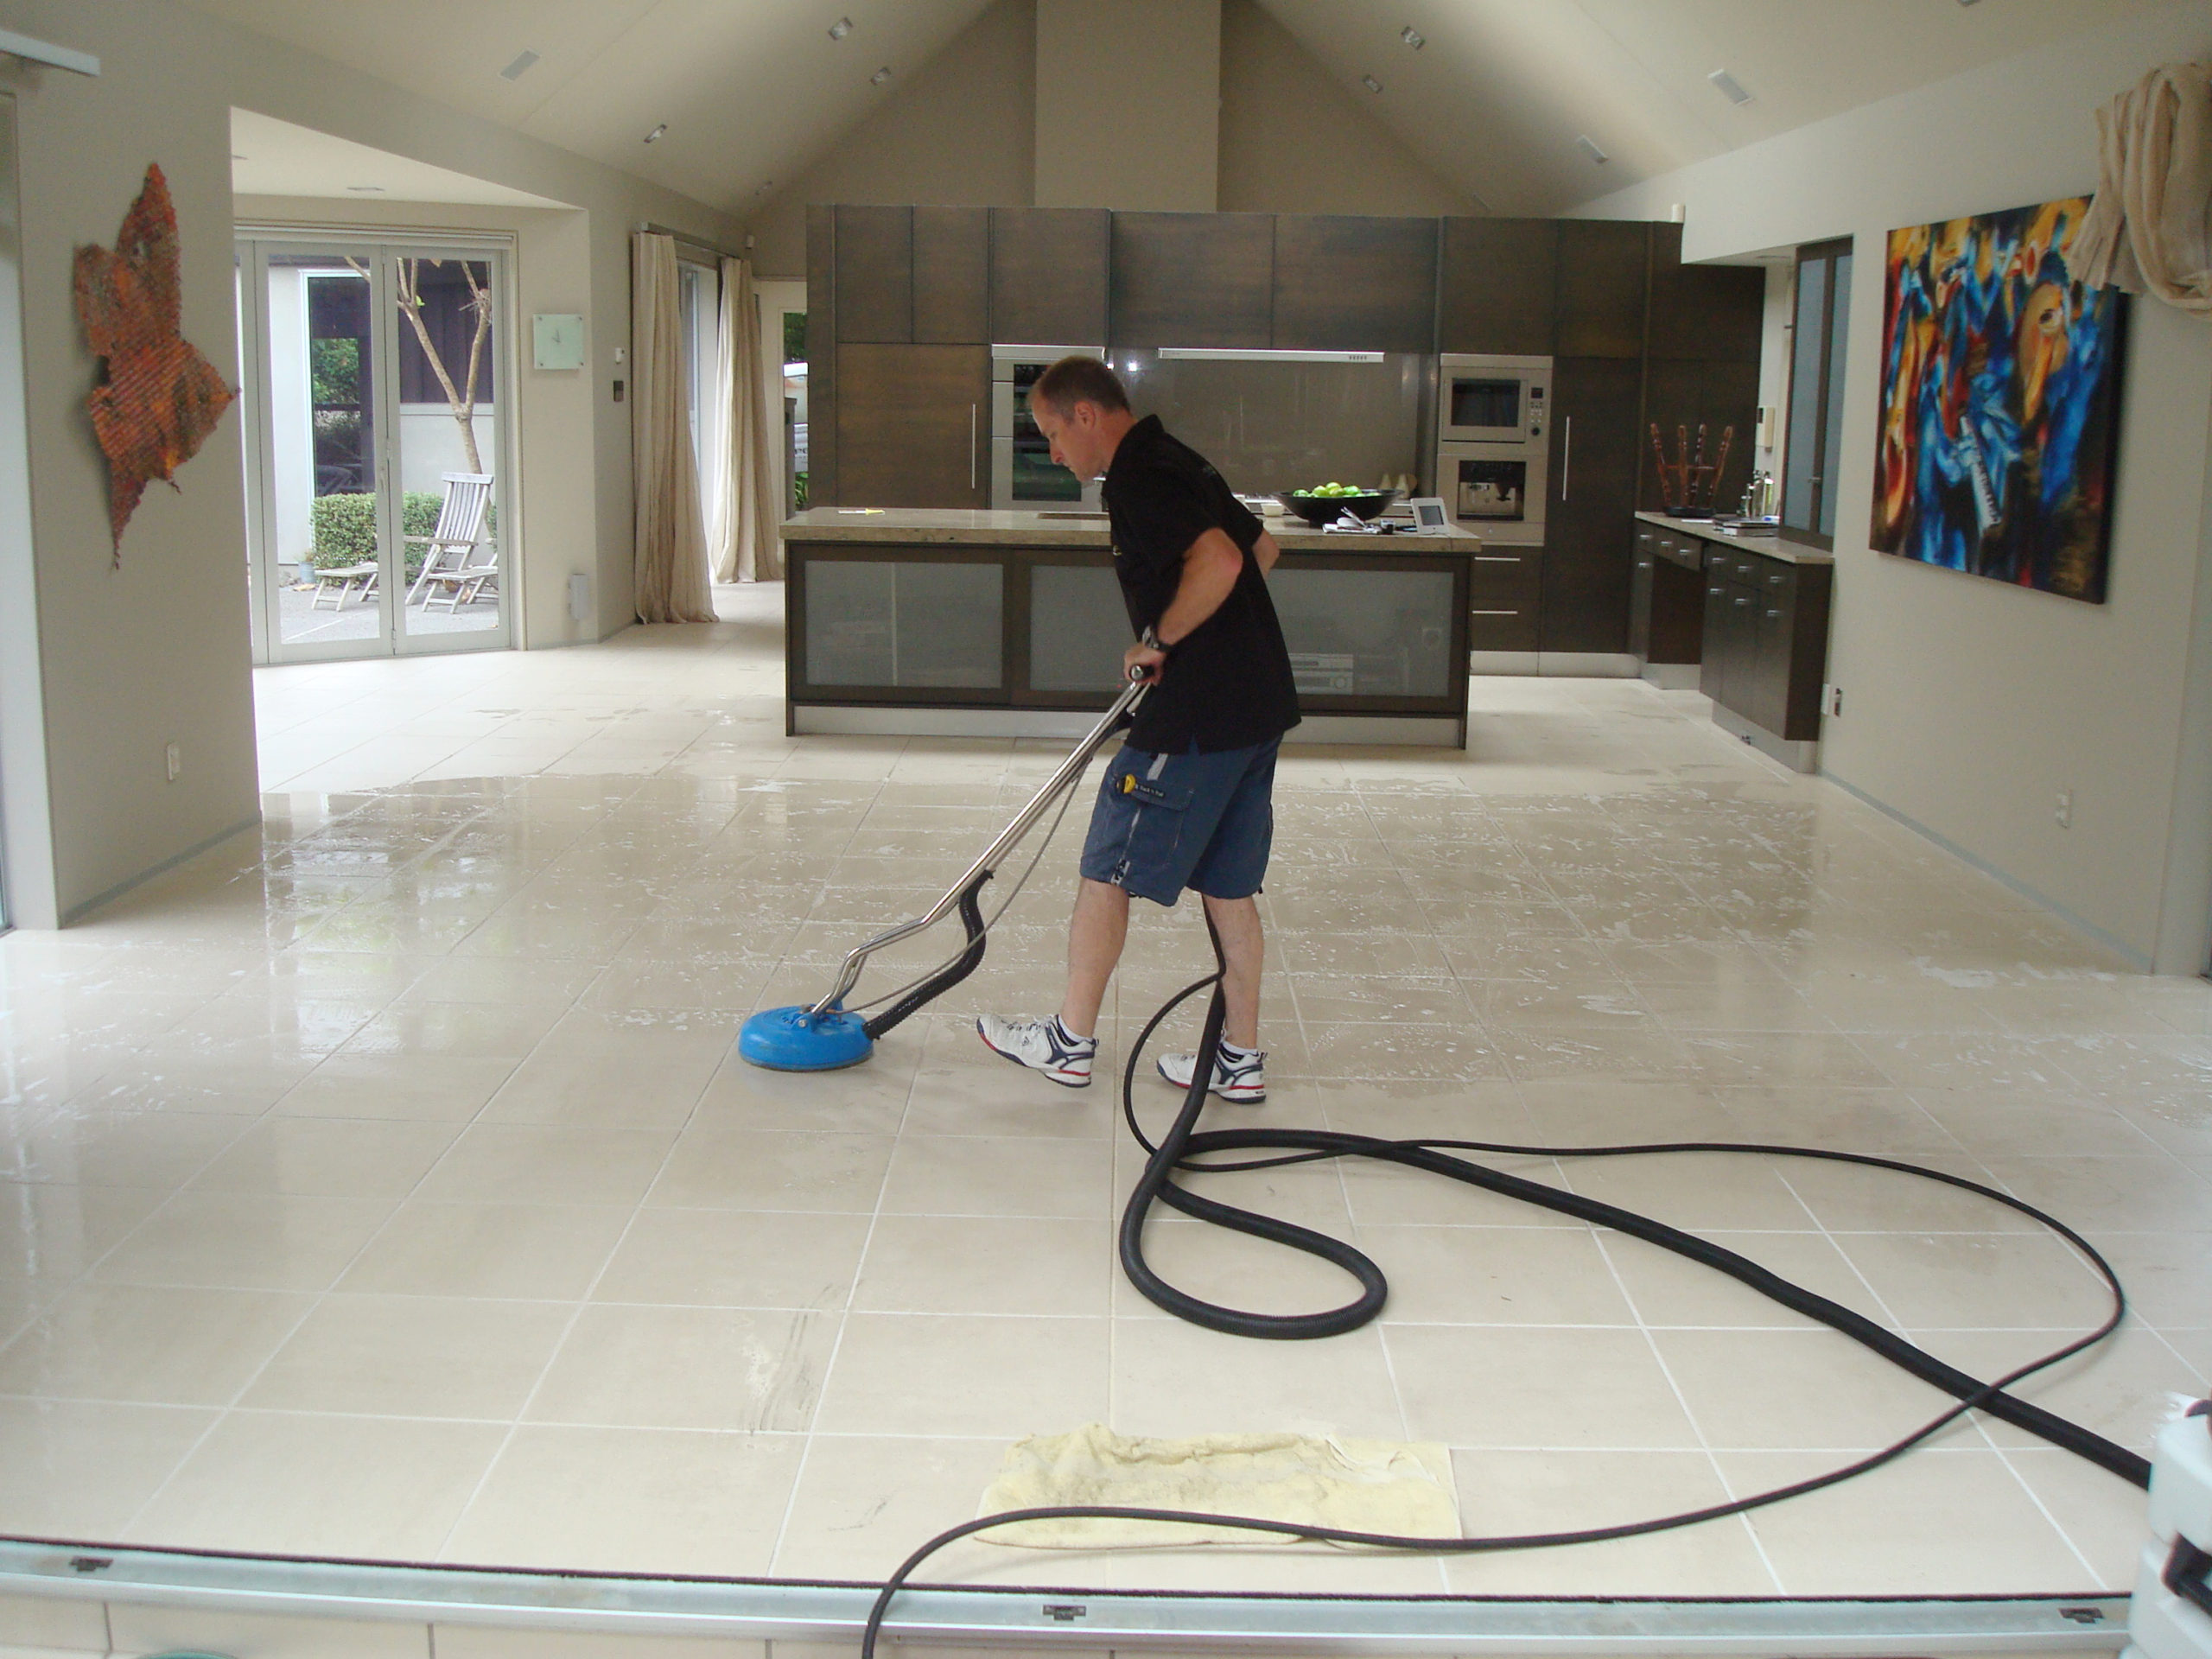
x,y
1431,517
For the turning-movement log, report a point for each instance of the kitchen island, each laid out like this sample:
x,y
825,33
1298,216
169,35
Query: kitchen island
x,y
948,622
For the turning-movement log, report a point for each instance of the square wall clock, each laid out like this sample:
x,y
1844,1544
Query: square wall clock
x,y
559,341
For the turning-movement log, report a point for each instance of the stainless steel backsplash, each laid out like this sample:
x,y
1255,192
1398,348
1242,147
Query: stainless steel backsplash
x,y
1286,426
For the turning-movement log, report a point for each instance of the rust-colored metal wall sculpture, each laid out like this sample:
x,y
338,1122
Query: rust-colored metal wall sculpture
x,y
157,399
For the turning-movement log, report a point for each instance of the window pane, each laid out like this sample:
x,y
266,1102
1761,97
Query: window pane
x,y
1839,332
1799,460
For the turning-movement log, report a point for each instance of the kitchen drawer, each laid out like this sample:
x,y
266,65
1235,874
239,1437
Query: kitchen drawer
x,y
1506,571
1504,627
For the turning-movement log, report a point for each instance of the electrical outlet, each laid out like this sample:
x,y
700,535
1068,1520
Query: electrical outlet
x,y
175,758
1832,701
2063,812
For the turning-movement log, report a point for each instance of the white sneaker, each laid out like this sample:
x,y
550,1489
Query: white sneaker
x,y
1043,1045
1237,1073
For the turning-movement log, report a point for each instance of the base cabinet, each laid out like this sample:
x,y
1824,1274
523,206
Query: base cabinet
x,y
1765,647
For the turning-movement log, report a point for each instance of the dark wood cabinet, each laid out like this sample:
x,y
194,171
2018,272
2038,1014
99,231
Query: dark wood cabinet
x,y
1194,279
913,426
1496,286
1602,273
1703,311
821,355
1346,282
1588,530
1048,275
1667,598
875,275
952,276
1505,599
1766,633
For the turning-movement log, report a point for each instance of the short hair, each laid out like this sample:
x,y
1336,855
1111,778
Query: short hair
x,y
1079,379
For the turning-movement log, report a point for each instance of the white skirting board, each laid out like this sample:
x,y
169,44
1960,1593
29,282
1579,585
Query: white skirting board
x,y
814,720
1556,664
1672,676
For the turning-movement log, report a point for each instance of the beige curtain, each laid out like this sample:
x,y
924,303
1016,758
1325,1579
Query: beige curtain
x,y
671,542
743,516
2146,230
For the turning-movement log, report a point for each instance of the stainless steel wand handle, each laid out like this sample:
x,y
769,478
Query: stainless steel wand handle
x,y
1069,769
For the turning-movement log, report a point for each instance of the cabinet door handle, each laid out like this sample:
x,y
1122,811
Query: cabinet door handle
x,y
1565,456
1493,612
1714,590
971,446
1496,558
1743,601
1773,613
1644,564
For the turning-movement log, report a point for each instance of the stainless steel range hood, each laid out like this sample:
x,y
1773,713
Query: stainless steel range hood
x,y
1239,354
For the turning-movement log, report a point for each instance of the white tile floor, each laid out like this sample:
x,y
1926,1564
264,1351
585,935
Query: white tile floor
x,y
384,1184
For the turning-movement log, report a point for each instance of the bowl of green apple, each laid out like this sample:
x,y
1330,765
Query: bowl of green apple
x,y
1325,504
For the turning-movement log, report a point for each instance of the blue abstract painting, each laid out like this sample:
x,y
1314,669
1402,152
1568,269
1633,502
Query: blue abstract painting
x,y
2000,398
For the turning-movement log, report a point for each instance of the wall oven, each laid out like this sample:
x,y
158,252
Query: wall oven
x,y
1492,452
1023,473
1492,399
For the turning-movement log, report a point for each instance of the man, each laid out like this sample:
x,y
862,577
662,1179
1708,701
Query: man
x,y
1186,803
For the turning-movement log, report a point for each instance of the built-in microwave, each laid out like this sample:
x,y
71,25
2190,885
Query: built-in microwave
x,y
1023,473
1481,399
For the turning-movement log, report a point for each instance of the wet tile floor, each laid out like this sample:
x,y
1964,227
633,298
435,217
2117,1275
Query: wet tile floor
x,y
383,1182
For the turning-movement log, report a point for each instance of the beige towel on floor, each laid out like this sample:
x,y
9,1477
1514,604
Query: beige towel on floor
x,y
1386,1486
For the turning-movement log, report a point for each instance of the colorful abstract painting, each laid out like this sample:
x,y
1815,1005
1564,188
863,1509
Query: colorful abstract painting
x,y
2000,385
157,399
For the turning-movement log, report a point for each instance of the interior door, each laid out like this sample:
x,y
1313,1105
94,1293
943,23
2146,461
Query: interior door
x,y
373,375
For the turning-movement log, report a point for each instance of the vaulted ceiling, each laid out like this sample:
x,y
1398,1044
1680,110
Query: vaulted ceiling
x,y
1497,98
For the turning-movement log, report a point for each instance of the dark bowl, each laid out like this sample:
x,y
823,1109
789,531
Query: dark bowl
x,y
1319,511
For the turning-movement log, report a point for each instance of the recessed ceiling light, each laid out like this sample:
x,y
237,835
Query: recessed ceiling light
x,y
1729,87
842,27
1590,147
879,76
654,136
521,66
1413,37
366,189
1371,83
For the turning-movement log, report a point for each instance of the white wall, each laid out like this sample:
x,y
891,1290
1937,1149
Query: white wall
x,y
157,651
1293,141
1128,100
963,131
960,132
1970,704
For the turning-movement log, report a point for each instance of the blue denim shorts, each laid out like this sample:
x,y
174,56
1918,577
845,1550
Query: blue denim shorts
x,y
1166,821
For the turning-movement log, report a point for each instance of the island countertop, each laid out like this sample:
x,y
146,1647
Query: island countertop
x,y
964,527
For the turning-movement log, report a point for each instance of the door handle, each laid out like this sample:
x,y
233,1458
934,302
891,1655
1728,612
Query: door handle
x,y
971,446
1565,456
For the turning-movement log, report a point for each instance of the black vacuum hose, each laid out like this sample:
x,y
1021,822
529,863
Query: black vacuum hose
x,y
1184,1141
971,917
1184,1144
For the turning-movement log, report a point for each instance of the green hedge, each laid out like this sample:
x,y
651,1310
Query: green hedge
x,y
346,528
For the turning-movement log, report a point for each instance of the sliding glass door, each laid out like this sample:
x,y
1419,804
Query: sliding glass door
x,y
377,374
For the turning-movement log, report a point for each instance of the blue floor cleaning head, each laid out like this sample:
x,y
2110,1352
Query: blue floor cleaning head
x,y
798,1039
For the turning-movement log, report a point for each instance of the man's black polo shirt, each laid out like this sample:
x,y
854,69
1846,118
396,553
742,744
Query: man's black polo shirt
x,y
1227,684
